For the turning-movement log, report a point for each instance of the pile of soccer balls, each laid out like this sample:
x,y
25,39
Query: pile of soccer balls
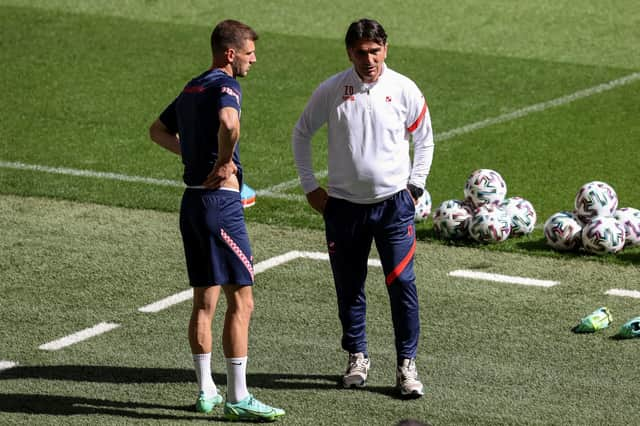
x,y
596,224
485,214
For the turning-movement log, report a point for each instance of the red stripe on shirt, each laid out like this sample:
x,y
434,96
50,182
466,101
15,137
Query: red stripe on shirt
x,y
419,120
193,89
402,265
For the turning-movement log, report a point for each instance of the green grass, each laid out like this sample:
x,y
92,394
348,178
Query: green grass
x,y
593,34
490,353
81,83
108,77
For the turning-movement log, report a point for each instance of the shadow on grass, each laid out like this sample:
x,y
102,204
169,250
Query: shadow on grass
x,y
132,375
534,246
60,405
619,337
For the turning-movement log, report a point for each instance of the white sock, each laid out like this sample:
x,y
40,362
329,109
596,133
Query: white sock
x,y
236,379
202,364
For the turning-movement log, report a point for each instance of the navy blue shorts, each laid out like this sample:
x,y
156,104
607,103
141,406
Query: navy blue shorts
x,y
215,238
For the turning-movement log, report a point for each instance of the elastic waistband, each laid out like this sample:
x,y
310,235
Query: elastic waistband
x,y
204,187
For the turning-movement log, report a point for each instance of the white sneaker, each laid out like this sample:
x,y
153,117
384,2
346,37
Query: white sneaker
x,y
407,379
356,374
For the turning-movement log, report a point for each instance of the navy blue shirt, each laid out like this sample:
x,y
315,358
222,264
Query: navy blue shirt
x,y
194,116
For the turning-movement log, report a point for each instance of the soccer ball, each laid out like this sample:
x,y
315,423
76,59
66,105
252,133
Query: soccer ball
x,y
484,186
563,231
490,224
423,207
595,199
602,235
522,214
629,218
451,219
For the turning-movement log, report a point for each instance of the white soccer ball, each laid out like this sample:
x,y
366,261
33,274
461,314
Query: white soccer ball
x,y
451,219
595,199
522,214
484,186
490,224
423,207
629,218
563,231
603,235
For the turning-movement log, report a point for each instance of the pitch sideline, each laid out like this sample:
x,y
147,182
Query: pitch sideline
x,y
79,336
474,275
258,268
623,293
5,365
265,265
276,191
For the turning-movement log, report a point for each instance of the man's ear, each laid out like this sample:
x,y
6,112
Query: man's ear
x,y
230,54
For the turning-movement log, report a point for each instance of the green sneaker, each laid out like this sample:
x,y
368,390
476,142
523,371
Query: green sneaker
x,y
206,405
251,409
630,329
597,320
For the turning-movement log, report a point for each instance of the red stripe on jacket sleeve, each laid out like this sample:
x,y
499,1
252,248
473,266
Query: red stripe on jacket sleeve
x,y
419,120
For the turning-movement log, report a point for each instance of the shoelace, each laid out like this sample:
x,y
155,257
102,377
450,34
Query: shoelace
x,y
257,405
358,365
409,373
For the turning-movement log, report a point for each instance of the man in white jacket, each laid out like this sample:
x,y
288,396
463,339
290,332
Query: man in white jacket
x,y
373,114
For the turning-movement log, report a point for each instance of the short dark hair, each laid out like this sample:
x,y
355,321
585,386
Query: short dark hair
x,y
231,34
365,29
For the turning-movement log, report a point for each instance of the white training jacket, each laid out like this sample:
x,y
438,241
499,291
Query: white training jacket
x,y
370,126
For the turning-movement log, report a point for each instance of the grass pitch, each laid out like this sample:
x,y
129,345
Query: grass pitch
x,y
85,101
490,353
81,83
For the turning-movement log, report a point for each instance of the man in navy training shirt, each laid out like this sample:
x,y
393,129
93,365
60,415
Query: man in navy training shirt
x,y
202,125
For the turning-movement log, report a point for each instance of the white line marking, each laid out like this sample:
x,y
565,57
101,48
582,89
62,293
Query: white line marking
x,y
85,334
270,192
325,256
168,301
90,174
624,293
314,255
501,278
541,106
276,261
258,268
289,184
505,117
279,195
275,190
5,365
